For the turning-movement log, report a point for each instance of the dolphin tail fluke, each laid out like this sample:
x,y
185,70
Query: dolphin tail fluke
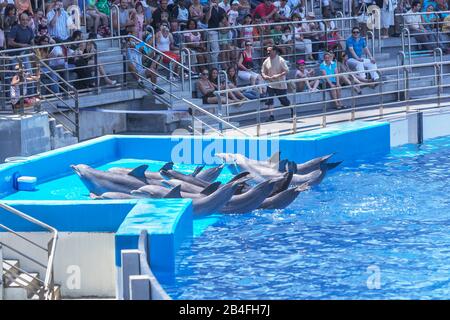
x,y
332,165
281,166
275,157
211,188
197,170
167,166
174,193
292,166
139,172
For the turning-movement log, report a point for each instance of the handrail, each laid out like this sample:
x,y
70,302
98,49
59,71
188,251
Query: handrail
x,y
215,117
116,7
406,30
48,281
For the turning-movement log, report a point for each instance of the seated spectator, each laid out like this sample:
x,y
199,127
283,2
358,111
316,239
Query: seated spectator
x,y
351,79
9,18
355,47
58,22
225,5
23,5
284,11
124,18
297,7
329,68
331,39
136,67
234,96
21,37
246,67
327,8
96,15
196,13
244,10
227,50
286,40
266,10
301,43
193,41
246,31
181,13
206,88
414,23
40,19
232,79
312,32
157,14
304,74
103,7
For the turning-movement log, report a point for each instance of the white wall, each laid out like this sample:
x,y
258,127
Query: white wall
x,y
84,262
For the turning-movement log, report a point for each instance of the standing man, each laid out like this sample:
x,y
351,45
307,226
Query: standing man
x,y
356,46
214,15
58,22
274,70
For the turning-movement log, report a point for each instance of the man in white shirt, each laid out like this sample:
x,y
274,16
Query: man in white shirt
x,y
413,21
58,22
274,71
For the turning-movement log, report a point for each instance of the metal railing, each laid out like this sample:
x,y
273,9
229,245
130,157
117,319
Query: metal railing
x,y
395,92
46,290
432,34
320,41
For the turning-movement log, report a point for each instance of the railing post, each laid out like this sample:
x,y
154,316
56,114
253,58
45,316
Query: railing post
x,y
324,109
77,117
381,96
258,115
1,272
170,83
37,103
406,72
3,79
220,108
97,78
130,267
140,287
21,86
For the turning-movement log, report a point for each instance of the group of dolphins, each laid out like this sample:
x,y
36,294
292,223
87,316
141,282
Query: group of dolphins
x,y
270,184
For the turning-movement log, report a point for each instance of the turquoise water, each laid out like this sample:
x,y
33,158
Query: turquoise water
x,y
71,188
374,229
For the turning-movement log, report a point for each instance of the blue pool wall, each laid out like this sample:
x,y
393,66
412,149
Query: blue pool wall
x,y
169,222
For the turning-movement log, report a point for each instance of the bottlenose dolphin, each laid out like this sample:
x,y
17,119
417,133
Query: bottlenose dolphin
x,y
150,175
250,200
216,200
283,199
157,192
114,195
172,174
99,182
282,184
210,174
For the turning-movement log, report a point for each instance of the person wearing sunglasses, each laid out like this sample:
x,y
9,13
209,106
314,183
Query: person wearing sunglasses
x,y
356,47
206,88
246,66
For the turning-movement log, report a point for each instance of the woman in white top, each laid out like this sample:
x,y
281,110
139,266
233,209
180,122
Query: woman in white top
x,y
165,44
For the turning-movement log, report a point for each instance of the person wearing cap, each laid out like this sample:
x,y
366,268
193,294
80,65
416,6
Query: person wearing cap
x,y
266,10
233,13
304,74
355,48
274,70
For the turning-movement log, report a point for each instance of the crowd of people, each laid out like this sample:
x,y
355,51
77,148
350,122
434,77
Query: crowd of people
x,y
237,36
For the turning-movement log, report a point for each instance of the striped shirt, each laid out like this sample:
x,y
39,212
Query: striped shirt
x,y
60,29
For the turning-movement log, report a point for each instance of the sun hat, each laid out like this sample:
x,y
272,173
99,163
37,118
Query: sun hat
x,y
301,61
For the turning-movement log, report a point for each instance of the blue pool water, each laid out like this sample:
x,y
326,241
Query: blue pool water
x,y
386,219
70,187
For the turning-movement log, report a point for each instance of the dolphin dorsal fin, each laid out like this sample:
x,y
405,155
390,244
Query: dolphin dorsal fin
x,y
239,176
139,172
167,166
275,158
174,193
197,170
281,166
211,188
